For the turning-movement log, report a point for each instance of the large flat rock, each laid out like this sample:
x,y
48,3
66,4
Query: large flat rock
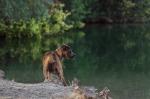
x,y
43,90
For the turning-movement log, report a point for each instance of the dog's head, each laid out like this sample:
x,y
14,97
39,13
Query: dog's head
x,y
65,51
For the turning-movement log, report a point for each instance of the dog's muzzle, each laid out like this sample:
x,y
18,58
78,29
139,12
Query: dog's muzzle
x,y
73,55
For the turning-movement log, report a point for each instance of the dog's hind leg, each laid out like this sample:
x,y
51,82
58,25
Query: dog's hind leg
x,y
49,76
45,72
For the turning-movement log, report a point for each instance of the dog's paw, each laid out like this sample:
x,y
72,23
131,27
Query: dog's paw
x,y
46,81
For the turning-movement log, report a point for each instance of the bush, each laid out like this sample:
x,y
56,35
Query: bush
x,y
55,23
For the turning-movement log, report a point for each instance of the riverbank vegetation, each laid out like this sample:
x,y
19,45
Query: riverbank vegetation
x,y
34,20
110,11
47,17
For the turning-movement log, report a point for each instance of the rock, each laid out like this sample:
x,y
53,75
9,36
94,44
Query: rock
x,y
49,90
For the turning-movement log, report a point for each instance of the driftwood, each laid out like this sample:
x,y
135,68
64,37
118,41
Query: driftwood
x,y
48,90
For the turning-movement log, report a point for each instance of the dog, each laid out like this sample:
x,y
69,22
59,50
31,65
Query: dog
x,y
52,62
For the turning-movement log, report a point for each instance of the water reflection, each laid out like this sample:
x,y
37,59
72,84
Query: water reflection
x,y
21,59
116,56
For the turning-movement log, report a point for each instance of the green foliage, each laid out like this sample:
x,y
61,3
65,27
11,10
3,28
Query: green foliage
x,y
127,7
78,9
118,11
54,23
23,9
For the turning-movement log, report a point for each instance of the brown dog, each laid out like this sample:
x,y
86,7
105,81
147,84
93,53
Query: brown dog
x,y
52,62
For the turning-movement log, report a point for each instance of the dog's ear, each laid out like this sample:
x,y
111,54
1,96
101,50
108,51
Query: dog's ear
x,y
65,47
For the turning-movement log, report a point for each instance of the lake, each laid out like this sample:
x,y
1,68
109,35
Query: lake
x,y
116,56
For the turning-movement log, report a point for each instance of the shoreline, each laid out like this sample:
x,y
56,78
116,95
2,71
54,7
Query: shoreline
x,y
43,90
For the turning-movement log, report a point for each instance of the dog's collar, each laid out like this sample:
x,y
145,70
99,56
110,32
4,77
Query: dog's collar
x,y
56,52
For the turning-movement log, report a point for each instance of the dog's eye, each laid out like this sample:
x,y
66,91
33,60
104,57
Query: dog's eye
x,y
64,48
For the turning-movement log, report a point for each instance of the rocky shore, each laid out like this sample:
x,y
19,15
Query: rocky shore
x,y
48,90
44,90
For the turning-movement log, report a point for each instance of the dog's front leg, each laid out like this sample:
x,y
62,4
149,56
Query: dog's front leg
x,y
61,76
63,79
64,82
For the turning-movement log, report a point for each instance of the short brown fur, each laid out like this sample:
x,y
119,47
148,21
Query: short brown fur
x,y
52,62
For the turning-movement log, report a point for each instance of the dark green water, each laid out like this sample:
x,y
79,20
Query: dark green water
x,y
115,56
